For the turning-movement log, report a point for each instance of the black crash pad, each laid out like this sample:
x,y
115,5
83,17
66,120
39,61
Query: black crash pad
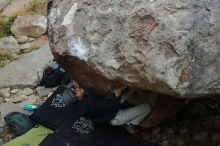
x,y
83,132
54,112
72,130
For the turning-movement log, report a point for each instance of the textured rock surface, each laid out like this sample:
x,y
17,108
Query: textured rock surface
x,y
16,7
44,92
37,43
170,47
30,25
9,45
22,39
3,4
24,71
5,92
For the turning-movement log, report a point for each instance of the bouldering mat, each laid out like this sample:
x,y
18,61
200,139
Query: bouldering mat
x,y
53,112
83,132
32,138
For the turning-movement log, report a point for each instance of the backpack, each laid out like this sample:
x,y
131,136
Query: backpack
x,y
18,122
53,77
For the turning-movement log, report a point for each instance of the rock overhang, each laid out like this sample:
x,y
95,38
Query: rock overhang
x,y
150,45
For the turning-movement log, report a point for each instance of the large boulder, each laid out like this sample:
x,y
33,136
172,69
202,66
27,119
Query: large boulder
x,y
30,25
170,47
9,45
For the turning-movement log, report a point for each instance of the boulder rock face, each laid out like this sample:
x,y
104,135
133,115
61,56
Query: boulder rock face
x,y
30,25
170,47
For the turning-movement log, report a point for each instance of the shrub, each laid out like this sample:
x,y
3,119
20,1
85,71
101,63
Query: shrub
x,y
5,25
4,59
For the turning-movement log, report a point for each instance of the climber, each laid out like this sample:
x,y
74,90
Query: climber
x,y
106,110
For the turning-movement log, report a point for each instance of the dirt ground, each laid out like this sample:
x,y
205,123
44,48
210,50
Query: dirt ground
x,y
197,124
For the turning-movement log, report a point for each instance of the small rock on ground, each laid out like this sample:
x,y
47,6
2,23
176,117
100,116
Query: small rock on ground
x,y
42,91
27,91
21,39
5,92
14,91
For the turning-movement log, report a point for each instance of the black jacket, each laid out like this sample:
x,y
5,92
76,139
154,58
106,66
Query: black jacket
x,y
98,109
